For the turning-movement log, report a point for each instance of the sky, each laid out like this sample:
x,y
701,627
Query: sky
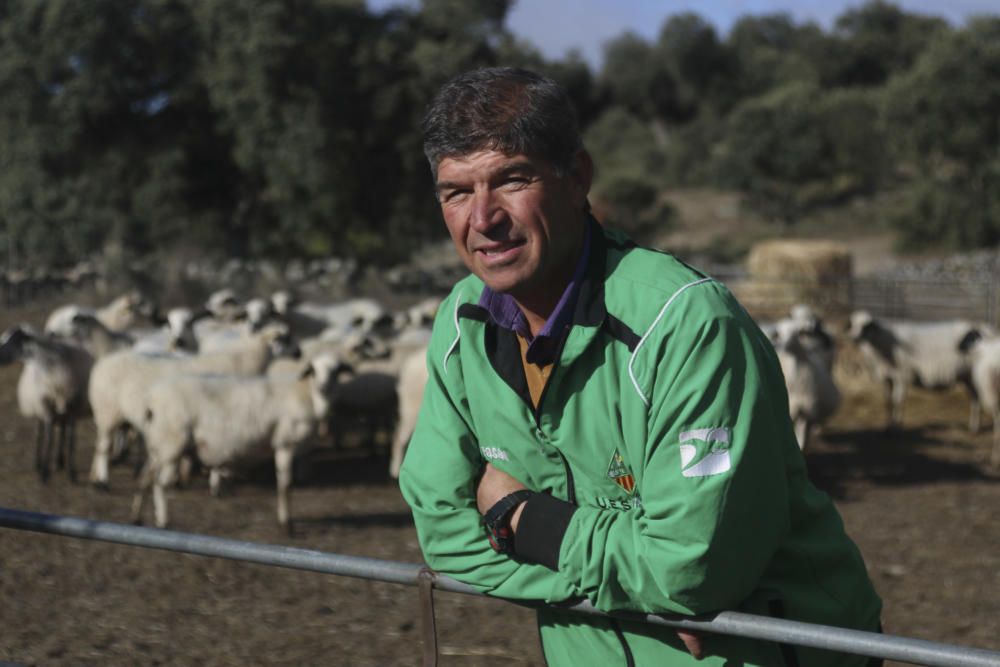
x,y
556,26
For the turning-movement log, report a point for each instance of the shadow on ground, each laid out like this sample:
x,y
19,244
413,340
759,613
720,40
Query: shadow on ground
x,y
897,457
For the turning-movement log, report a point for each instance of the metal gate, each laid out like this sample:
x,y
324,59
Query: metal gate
x,y
904,649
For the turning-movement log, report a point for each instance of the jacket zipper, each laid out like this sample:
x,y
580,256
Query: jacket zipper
x,y
570,485
571,497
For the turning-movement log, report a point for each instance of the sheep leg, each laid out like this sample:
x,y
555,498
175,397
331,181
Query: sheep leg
x,y
61,446
145,480
215,482
71,451
141,456
120,445
166,476
995,458
99,466
399,442
897,394
45,455
283,471
802,432
39,444
184,468
975,416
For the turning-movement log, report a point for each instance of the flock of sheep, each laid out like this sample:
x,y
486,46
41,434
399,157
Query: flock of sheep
x,y
899,354
221,387
237,382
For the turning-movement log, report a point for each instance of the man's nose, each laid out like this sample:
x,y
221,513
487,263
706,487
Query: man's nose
x,y
486,211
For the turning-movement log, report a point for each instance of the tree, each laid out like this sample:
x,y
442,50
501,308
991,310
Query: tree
x,y
702,66
770,50
878,40
797,148
945,118
630,172
636,77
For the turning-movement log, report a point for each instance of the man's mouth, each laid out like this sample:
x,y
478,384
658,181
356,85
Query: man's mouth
x,y
500,250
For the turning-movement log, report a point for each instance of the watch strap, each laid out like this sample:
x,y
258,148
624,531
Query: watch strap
x,y
497,520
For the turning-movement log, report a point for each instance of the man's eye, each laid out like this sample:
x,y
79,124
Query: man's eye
x,y
453,195
516,181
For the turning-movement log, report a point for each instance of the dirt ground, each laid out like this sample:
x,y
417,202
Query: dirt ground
x,y
921,503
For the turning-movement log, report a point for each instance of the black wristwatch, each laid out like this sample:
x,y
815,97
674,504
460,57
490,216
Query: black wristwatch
x,y
497,521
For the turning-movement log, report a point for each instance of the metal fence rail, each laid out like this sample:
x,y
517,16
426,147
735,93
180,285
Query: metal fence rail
x,y
904,649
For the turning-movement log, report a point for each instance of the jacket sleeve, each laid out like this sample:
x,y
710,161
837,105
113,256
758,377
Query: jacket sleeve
x,y
714,481
438,480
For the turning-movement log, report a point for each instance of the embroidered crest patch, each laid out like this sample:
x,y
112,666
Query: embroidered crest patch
x,y
619,471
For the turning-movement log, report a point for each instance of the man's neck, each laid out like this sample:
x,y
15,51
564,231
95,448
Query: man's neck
x,y
538,305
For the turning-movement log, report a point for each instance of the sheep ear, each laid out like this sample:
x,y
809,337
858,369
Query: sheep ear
x,y
969,340
157,318
307,372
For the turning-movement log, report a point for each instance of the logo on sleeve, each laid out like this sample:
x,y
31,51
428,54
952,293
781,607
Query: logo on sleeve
x,y
495,453
705,452
619,471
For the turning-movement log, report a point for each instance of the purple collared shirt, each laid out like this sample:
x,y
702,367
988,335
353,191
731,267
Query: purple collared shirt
x,y
505,312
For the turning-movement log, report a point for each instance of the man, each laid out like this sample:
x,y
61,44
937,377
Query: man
x,y
614,416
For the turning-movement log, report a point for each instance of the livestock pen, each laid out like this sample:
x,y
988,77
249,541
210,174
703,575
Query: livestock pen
x,y
919,502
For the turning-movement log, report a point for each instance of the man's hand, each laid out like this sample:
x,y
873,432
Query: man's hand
x,y
494,485
692,643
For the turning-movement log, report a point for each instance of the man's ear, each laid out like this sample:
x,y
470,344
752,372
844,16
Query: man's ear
x,y
582,175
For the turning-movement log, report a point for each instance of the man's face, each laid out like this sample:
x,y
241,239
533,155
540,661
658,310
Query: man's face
x,y
516,224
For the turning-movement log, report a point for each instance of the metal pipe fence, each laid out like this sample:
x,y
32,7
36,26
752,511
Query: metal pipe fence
x,y
904,649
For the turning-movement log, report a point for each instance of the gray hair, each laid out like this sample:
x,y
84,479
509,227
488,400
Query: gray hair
x,y
506,109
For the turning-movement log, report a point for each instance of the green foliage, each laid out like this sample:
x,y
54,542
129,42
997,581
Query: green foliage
x,y
770,51
636,77
292,127
629,177
960,214
798,148
876,40
702,66
944,111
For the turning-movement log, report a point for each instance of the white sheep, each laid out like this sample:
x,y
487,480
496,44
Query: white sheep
x,y
812,394
176,337
985,355
330,319
119,383
372,394
369,396
932,355
95,337
223,305
51,390
420,314
410,391
228,420
123,313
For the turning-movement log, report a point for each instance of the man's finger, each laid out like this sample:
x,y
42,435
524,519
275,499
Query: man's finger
x,y
692,642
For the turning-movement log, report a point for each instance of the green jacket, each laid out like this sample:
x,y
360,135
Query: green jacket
x,y
664,440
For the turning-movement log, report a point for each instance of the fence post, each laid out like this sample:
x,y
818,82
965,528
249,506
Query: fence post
x,y
428,623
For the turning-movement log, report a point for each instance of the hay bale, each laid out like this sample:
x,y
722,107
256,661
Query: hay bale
x,y
785,272
804,261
